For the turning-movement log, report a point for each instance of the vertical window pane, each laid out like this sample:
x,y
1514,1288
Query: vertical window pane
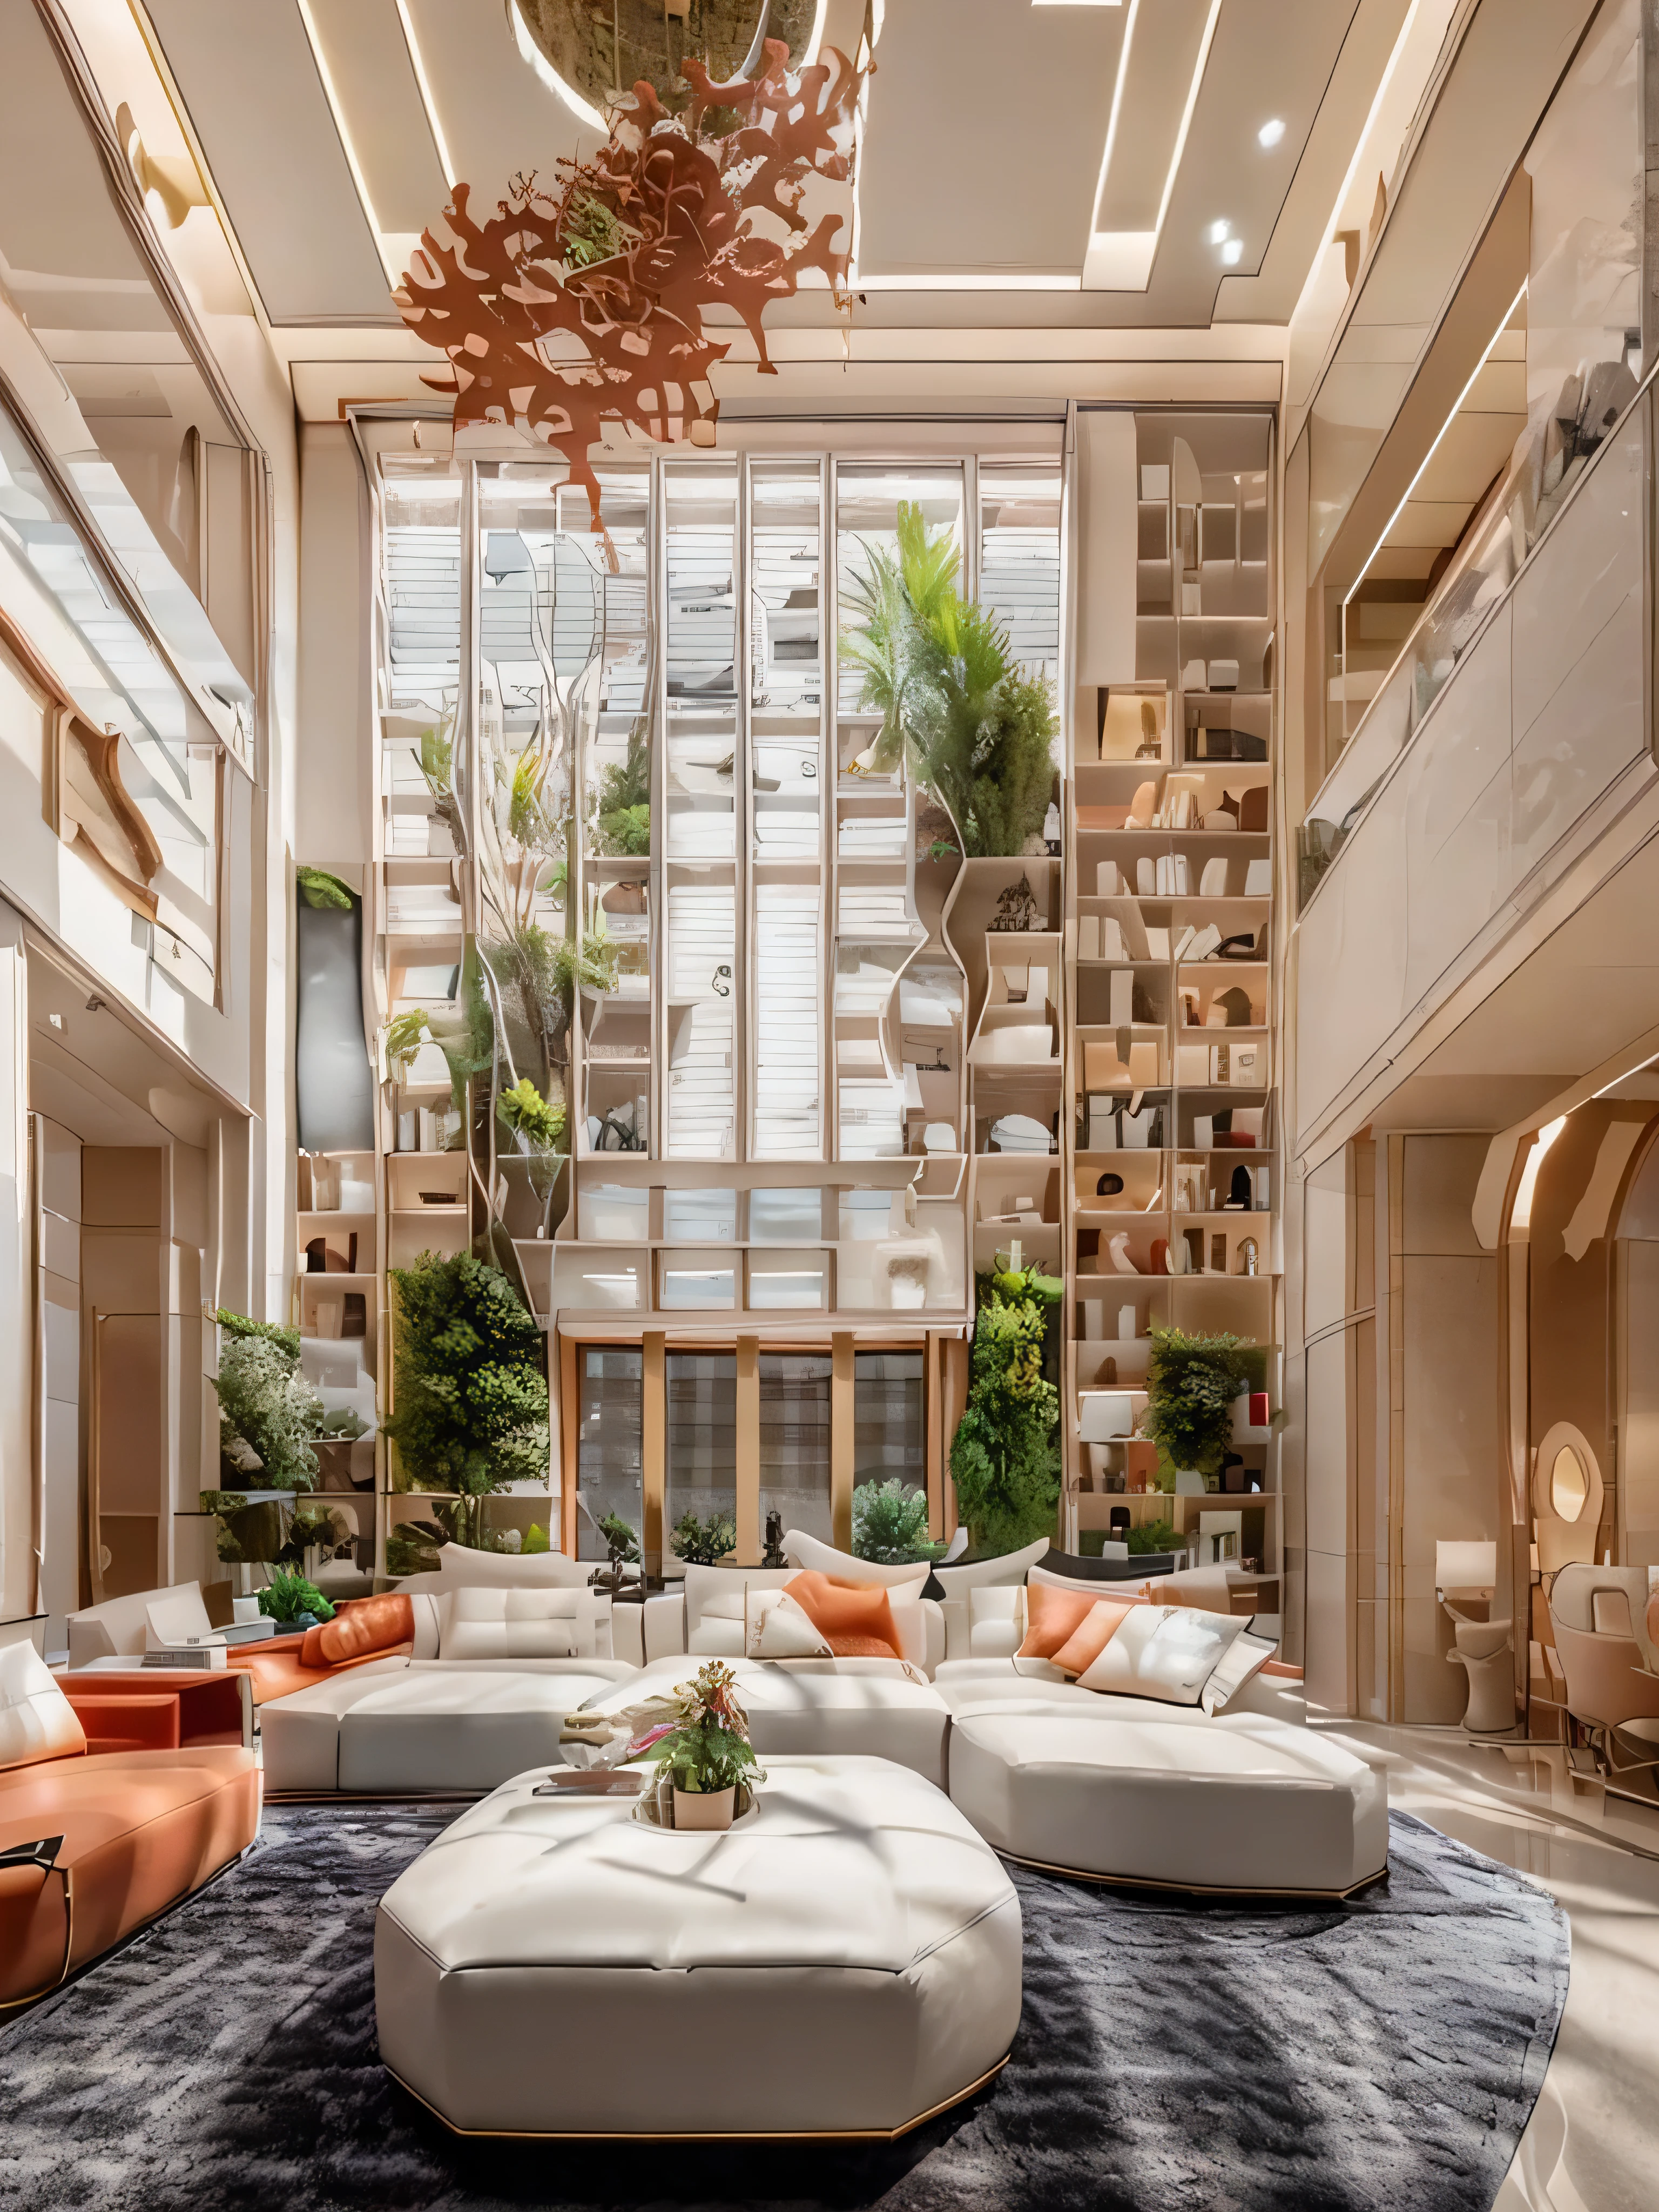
x,y
788,1022
1019,562
700,547
609,1444
702,1436
702,969
890,1418
794,1441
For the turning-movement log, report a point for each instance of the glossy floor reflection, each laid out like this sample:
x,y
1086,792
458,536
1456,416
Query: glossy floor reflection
x,y
1593,2143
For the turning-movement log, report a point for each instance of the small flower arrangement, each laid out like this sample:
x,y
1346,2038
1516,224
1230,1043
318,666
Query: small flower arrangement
x,y
702,1749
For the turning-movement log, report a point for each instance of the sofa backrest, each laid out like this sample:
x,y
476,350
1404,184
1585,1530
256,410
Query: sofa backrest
x,y
37,1721
812,1551
459,1564
116,1629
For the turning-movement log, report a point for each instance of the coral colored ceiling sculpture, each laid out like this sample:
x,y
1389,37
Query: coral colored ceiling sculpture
x,y
568,312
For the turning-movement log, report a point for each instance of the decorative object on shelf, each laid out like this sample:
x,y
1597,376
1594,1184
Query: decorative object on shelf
x,y
568,311
269,1414
773,1555
940,671
334,1091
1017,910
622,1550
890,1523
1191,1383
1249,1257
707,1754
703,1543
294,1602
471,1394
1004,1458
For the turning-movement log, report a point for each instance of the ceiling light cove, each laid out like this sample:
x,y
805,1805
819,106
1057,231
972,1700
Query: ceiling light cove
x,y
1271,132
1218,231
1166,47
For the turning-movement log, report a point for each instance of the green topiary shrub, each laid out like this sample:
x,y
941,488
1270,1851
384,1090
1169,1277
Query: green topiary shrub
x,y
1005,1459
472,1395
889,1524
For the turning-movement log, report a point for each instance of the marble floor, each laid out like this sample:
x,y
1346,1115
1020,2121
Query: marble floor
x,y
1593,2143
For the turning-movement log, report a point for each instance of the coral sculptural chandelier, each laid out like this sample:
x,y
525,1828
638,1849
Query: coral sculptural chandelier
x,y
569,311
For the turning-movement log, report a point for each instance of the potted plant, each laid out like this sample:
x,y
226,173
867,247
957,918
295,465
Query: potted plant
x,y
472,1395
889,1524
707,1756
1004,1458
294,1602
269,1414
1191,1384
703,1543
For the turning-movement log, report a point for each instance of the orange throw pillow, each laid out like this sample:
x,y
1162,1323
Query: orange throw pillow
x,y
1091,1635
360,1627
854,1619
1051,1615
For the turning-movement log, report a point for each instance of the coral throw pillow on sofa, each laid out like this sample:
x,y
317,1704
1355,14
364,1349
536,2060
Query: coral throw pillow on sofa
x,y
854,1619
1052,1615
360,1628
1092,1634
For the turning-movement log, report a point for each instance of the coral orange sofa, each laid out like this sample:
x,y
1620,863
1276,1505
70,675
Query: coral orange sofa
x,y
94,1844
363,1628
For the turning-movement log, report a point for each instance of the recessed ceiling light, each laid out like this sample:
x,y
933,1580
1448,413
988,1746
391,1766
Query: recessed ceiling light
x,y
1218,231
1233,251
1271,133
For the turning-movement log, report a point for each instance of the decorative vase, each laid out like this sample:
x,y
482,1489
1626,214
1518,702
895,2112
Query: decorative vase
x,y
704,1809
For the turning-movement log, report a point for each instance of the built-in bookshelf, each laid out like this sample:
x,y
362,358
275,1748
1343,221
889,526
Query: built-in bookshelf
x,y
1171,1161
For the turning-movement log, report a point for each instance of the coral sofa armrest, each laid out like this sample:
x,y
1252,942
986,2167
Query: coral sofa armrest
x,y
215,1706
116,1720
665,1625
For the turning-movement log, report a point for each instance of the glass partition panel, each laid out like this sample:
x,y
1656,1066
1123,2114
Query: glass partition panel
x,y
700,638
788,1022
609,1443
1019,562
700,1476
701,1029
608,694
794,1441
890,1418
700,1216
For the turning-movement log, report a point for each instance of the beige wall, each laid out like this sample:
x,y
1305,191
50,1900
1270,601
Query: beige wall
x,y
1451,1451
334,748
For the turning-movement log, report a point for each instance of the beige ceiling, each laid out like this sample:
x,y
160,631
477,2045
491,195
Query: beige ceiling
x,y
332,130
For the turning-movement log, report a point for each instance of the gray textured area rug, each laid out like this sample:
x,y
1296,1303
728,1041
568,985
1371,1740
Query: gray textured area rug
x,y
1384,2053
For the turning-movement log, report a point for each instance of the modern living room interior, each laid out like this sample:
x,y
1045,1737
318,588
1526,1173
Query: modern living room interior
x,y
830,1075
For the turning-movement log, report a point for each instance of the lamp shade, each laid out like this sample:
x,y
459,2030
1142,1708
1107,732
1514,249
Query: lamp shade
x,y
1466,1567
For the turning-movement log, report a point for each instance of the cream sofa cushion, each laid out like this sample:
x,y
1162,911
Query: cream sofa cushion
x,y
781,1630
459,1564
996,1620
512,1624
37,1721
1167,1652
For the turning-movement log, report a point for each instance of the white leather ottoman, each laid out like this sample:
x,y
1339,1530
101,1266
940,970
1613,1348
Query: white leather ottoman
x,y
421,1727
844,1961
851,1708
1234,1803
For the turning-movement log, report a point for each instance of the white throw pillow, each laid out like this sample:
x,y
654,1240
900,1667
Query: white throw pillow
x,y
460,1563
806,1551
1245,1657
513,1623
780,1630
37,1721
1167,1652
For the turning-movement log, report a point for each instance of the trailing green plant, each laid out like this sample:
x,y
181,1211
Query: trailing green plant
x,y
1191,1384
238,1325
406,1034
344,1427
890,1523
623,823
1154,1536
268,1412
527,1113
1005,1457
320,890
471,1394
939,669
287,1597
703,1543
